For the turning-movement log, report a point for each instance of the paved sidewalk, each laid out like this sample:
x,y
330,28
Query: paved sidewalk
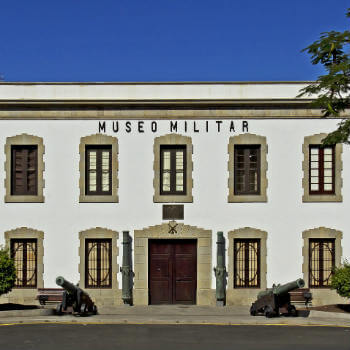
x,y
174,314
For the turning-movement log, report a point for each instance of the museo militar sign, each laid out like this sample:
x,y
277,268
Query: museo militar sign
x,y
203,126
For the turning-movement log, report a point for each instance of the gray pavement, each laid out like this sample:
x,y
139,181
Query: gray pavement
x,y
174,314
171,337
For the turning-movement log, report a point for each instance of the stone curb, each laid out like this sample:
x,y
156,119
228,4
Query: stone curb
x,y
26,313
47,316
329,315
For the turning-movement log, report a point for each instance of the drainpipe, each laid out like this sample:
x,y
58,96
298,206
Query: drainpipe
x,y
220,270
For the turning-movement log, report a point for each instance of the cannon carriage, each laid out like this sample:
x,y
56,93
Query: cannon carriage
x,y
276,301
74,298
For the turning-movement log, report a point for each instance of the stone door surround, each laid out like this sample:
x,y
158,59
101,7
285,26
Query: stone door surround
x,y
174,230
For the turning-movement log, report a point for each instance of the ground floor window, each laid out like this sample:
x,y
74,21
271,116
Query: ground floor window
x,y
321,262
247,263
24,253
98,263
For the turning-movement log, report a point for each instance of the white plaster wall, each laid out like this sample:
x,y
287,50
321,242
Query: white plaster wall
x,y
284,216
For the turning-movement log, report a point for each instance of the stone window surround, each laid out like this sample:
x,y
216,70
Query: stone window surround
x,y
321,233
25,139
248,139
205,295
99,233
307,197
98,139
247,233
29,233
173,139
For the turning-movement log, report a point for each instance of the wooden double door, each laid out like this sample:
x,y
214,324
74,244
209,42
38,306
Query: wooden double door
x,y
172,271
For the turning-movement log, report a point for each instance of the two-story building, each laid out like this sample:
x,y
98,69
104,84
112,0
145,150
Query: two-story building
x,y
173,164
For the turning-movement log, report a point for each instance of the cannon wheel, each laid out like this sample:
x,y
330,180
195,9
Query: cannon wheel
x,y
292,311
59,310
268,311
83,310
252,311
94,309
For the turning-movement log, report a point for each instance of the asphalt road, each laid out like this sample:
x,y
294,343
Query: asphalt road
x,y
169,337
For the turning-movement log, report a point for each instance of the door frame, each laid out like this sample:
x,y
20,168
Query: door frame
x,y
205,295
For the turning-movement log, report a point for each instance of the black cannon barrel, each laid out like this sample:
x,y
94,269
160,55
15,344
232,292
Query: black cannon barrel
x,y
68,286
283,289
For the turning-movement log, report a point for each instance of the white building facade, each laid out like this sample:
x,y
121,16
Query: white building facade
x,y
173,164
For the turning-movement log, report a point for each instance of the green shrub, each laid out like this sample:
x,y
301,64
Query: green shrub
x,y
341,280
7,271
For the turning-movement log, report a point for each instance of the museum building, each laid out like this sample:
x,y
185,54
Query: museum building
x,y
170,165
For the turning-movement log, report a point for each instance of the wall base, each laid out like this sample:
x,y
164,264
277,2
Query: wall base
x,y
241,296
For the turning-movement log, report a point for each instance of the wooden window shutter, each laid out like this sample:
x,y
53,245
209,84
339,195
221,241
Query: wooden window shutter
x,y
24,175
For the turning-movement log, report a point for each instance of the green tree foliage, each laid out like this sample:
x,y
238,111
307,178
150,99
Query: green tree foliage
x,y
333,89
7,271
341,280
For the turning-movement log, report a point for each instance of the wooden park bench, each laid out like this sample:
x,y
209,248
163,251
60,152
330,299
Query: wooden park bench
x,y
301,297
49,295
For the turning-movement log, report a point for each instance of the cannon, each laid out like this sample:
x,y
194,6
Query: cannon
x,y
275,301
75,298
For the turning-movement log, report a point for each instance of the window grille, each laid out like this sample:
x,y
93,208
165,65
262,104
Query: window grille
x,y
98,263
247,263
321,262
24,254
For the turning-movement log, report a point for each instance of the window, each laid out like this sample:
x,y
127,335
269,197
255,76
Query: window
x,y
98,263
247,263
173,169
98,169
24,173
24,253
322,170
24,169
321,262
247,169
322,251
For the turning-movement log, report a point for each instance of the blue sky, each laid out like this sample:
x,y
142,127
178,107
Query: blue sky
x,y
169,40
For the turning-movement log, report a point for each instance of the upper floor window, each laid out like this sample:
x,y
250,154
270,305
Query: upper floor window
x,y
24,254
321,262
247,169
173,169
98,170
322,167
24,168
